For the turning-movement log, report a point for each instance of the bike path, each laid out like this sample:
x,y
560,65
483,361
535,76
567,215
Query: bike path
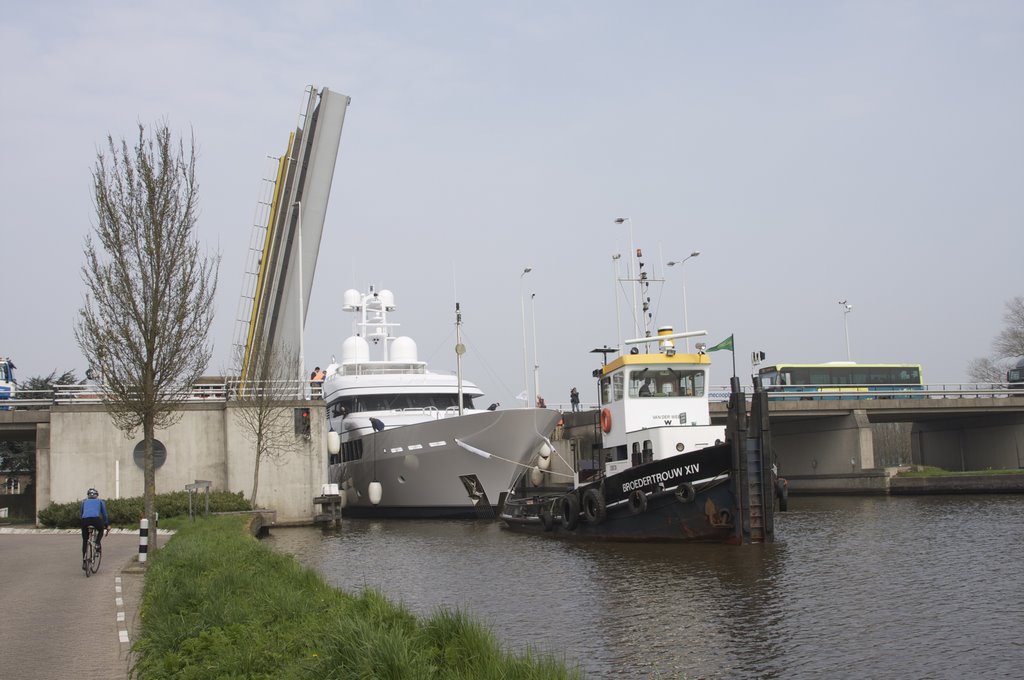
x,y
56,623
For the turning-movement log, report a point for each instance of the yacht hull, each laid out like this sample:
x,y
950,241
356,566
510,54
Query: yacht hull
x,y
455,467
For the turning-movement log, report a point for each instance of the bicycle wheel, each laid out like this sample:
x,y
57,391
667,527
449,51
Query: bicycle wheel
x,y
90,555
96,555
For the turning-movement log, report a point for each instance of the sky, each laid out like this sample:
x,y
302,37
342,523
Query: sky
x,y
812,152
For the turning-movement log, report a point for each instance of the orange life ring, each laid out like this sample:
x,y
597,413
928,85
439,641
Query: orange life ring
x,y
606,421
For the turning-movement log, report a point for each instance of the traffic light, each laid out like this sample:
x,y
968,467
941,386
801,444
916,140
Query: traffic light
x,y
302,421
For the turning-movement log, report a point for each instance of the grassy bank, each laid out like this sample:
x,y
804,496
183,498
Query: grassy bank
x,y
927,471
218,604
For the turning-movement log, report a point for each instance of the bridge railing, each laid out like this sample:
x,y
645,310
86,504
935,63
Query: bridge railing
x,y
227,390
230,390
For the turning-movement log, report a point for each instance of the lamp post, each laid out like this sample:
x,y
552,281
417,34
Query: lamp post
x,y
847,308
632,280
522,311
536,360
682,274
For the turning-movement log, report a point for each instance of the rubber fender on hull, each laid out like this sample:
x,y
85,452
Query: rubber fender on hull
x,y
782,491
547,519
594,509
686,493
637,502
570,511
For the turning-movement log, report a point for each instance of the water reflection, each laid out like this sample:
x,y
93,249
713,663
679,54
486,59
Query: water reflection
x,y
855,587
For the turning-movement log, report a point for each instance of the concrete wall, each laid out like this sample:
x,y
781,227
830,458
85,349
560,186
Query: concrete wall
x,y
838,445
208,442
982,443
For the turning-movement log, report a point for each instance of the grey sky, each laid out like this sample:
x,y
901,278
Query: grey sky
x,y
813,152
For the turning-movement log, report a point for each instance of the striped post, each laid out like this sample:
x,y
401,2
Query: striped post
x,y
143,539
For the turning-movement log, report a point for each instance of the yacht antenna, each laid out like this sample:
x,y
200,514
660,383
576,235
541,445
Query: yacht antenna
x,y
460,349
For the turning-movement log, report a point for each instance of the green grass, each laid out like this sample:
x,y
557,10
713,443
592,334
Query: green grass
x,y
928,471
218,604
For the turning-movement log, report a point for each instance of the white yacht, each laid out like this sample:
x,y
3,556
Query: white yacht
x,y
408,442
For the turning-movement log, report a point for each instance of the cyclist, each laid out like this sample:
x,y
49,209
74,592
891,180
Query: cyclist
x,y
93,512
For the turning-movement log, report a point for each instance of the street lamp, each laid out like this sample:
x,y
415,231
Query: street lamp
x,y
686,321
522,311
536,360
615,293
632,280
847,308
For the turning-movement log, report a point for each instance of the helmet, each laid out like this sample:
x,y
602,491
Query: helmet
x,y
92,493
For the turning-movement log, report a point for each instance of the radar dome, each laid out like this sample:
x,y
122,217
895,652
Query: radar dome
x,y
387,298
355,350
403,348
351,299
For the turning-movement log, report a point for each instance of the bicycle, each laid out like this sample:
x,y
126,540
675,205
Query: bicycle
x,y
93,555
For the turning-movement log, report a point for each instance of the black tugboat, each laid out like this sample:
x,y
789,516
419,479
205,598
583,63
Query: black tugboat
x,y
661,471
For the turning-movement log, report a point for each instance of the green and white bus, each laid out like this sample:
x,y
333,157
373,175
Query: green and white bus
x,y
842,380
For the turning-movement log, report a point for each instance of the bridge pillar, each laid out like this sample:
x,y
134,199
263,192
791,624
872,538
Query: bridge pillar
x,y
830,454
42,481
992,442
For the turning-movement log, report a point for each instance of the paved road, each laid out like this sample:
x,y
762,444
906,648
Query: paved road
x,y
56,623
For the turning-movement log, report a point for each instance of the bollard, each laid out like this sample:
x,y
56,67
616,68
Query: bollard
x,y
143,539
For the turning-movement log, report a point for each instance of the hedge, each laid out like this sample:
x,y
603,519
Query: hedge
x,y
126,512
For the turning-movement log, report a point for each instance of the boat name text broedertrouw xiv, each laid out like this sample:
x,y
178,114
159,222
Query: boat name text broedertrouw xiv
x,y
660,477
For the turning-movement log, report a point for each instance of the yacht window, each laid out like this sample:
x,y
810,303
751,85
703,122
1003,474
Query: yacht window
x,y
393,402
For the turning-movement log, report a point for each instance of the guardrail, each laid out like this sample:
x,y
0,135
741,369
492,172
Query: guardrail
x,y
201,393
294,389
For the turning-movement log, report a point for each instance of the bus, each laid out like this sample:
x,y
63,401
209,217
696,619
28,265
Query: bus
x,y
8,385
1015,376
842,380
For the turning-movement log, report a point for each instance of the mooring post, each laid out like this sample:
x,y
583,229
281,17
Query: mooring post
x,y
143,539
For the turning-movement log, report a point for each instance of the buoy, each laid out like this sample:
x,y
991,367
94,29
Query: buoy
x,y
333,443
375,492
536,476
606,421
545,450
543,463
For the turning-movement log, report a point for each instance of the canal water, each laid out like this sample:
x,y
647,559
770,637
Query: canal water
x,y
854,587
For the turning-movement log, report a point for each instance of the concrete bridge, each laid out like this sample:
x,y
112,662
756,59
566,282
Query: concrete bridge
x,y
823,444
77,447
827,443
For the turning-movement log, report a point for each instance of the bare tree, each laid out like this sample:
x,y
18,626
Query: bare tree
x,y
266,403
149,298
1007,346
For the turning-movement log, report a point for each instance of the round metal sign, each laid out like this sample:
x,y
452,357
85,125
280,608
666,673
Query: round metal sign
x,y
159,454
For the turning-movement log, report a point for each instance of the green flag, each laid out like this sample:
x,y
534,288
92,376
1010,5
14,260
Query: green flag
x,y
724,344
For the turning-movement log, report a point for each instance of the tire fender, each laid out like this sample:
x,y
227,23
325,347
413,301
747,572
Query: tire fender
x,y
686,493
637,501
570,511
594,508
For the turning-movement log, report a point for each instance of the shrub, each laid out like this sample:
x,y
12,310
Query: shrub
x,y
127,512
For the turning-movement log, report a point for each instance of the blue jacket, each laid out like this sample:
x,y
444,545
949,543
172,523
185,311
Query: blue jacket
x,y
95,507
